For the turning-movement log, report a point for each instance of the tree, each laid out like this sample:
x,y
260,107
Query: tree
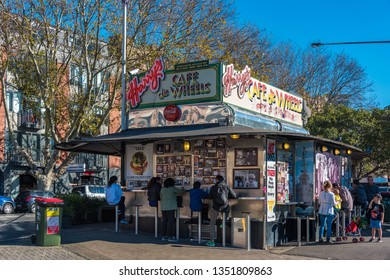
x,y
321,77
368,130
66,60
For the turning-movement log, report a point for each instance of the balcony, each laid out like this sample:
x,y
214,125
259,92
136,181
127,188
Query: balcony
x,y
27,121
11,156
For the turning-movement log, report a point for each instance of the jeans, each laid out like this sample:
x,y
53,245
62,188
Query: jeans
x,y
168,223
328,220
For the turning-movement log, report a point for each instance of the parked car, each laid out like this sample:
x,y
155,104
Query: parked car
x,y
89,191
25,200
7,205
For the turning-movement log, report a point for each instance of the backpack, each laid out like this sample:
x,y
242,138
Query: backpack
x,y
221,199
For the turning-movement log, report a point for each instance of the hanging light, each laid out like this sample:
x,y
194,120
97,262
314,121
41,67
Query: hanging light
x,y
186,146
324,148
336,151
349,152
286,146
235,136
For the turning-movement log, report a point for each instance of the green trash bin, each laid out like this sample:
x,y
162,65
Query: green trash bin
x,y
48,219
386,203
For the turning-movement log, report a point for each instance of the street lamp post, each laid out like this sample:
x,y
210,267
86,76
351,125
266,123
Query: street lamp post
x,y
124,31
319,44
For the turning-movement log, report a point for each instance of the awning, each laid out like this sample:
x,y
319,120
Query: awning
x,y
110,144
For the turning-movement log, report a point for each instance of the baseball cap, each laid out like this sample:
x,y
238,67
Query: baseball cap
x,y
378,195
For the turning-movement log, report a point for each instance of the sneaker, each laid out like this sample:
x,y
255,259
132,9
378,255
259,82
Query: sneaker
x,y
123,221
210,244
372,239
321,240
379,240
172,239
164,238
329,241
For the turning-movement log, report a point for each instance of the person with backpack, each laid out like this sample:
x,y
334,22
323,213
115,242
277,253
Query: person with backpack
x,y
220,193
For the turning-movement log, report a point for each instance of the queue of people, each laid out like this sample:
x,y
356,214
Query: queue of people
x,y
335,198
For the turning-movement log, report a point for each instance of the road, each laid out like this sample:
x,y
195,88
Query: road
x,y
14,227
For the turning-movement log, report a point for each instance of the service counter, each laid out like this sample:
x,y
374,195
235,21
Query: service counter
x,y
254,205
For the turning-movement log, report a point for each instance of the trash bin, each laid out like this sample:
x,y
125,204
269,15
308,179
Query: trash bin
x,y
48,221
386,203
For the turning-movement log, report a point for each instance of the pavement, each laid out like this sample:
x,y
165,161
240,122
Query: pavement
x,y
99,241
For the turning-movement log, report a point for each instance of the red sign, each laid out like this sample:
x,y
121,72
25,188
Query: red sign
x,y
172,113
150,80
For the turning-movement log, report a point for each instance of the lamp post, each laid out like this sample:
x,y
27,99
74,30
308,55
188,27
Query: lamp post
x,y
319,44
124,31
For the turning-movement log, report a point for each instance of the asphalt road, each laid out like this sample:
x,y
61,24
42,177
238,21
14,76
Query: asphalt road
x,y
16,226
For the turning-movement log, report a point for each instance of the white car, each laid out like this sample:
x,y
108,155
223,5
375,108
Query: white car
x,y
90,191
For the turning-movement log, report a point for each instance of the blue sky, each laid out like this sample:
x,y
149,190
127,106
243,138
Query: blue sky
x,y
304,22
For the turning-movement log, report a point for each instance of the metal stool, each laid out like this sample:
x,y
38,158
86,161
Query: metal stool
x,y
137,206
116,218
199,226
223,229
156,221
177,223
248,230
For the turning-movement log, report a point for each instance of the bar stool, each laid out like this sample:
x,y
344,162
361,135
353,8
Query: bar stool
x,y
248,230
177,223
199,225
116,218
156,221
137,206
223,229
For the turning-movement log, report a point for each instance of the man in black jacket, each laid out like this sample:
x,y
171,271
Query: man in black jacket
x,y
220,194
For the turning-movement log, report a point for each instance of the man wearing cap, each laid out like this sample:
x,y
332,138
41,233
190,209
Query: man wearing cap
x,y
377,215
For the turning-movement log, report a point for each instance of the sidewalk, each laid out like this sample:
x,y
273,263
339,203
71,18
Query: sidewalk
x,y
99,241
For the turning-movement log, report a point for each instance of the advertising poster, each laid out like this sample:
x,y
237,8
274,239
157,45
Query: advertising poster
x,y
271,180
53,220
328,167
283,182
139,165
304,168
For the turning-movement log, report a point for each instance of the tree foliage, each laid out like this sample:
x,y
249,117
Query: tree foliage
x,y
368,130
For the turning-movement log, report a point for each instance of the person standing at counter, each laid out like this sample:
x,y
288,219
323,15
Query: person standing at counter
x,y
220,193
326,211
154,188
114,196
168,196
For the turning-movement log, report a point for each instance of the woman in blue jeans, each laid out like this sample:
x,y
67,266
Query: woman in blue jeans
x,y
326,201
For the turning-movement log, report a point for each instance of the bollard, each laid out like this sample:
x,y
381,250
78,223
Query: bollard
x,y
177,223
299,231
248,230
223,229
